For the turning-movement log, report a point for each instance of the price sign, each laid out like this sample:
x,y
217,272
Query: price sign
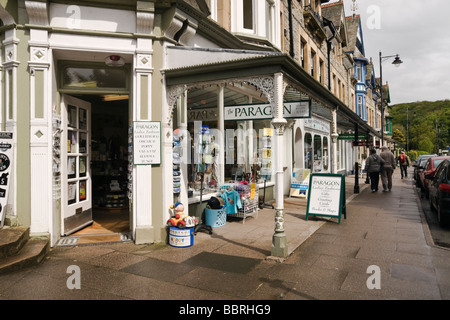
x,y
326,196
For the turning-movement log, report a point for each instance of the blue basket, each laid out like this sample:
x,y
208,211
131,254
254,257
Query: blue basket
x,y
216,217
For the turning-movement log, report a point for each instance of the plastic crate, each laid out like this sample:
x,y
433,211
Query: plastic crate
x,y
216,217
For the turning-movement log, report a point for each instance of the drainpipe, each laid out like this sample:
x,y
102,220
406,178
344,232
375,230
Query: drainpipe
x,y
291,30
330,25
334,134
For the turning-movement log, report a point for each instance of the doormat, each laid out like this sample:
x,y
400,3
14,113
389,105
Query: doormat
x,y
94,239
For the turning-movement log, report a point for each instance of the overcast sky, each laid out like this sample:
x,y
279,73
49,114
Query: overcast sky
x,y
417,30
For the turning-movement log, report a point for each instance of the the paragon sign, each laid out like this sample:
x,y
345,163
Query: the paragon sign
x,y
296,109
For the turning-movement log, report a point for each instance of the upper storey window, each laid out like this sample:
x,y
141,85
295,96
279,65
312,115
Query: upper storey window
x,y
259,18
248,12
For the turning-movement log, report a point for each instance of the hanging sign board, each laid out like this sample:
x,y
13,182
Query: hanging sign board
x,y
292,109
326,196
147,142
6,154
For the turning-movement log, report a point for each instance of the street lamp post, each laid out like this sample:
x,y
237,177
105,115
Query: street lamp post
x,y
397,62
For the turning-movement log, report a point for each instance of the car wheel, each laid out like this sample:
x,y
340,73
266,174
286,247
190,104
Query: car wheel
x,y
443,220
431,205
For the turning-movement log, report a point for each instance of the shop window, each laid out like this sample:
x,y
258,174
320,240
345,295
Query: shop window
x,y
338,154
308,151
317,153
325,154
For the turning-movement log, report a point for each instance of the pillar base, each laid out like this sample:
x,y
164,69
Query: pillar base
x,y
144,235
279,245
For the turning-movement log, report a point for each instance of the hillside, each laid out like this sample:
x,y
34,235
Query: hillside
x,y
429,124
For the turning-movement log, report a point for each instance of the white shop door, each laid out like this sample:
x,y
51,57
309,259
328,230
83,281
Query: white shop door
x,y
76,178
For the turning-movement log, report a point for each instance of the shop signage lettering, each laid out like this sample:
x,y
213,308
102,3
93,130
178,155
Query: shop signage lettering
x,y
326,196
351,136
6,153
297,109
209,114
317,124
147,142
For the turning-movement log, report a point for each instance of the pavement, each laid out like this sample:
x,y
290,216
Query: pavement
x,y
381,251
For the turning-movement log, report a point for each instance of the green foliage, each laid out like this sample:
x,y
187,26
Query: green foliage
x,y
398,135
428,123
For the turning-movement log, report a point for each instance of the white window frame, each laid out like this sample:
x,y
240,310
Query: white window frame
x,y
213,8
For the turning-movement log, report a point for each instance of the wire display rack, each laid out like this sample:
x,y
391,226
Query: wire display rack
x,y
249,199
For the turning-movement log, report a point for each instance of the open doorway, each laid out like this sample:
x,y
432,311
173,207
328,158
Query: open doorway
x,y
108,158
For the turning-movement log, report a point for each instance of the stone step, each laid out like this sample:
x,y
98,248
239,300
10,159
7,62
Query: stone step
x,y
32,253
12,239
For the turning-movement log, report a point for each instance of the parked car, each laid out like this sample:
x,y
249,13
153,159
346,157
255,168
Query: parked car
x,y
439,188
416,166
431,165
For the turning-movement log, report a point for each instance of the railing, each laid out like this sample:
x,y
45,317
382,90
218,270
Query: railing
x,y
308,9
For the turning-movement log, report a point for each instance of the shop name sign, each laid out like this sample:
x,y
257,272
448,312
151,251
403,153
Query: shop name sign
x,y
6,154
297,109
351,136
146,142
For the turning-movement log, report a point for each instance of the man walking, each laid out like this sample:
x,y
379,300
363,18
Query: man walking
x,y
404,162
388,168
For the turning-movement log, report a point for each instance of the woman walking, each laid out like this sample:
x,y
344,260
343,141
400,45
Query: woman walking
x,y
373,165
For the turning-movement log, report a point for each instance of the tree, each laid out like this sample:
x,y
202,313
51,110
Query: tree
x,y
398,136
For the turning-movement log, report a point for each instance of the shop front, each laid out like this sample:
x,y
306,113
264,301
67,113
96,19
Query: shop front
x,y
75,86
243,105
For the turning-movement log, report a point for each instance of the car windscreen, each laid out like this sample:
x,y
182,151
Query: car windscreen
x,y
437,162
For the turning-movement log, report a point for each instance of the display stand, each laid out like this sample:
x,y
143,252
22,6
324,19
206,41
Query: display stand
x,y
266,169
249,204
203,149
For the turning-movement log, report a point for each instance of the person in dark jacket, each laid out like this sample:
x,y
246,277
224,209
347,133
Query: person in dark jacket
x,y
373,165
388,168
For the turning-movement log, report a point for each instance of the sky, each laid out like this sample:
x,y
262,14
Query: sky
x,y
419,32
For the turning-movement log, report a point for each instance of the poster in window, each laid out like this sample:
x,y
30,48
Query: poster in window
x,y
82,190
82,166
71,192
71,167
71,141
72,116
82,120
83,142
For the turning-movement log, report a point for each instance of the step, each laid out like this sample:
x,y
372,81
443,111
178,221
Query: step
x,y
12,239
32,253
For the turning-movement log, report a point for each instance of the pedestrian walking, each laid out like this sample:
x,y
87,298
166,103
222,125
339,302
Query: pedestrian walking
x,y
403,161
373,166
387,169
